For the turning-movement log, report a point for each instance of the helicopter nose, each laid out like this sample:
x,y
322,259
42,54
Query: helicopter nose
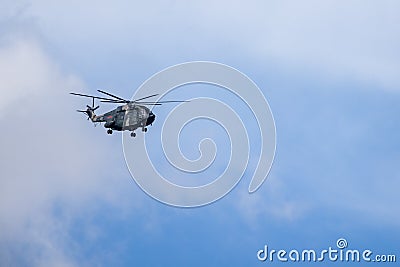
x,y
151,118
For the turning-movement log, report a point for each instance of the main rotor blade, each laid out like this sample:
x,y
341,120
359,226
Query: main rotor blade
x,y
117,97
139,103
149,104
162,102
114,101
143,103
124,100
144,97
91,96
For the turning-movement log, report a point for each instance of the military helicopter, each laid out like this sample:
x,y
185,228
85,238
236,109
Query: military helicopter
x,y
132,115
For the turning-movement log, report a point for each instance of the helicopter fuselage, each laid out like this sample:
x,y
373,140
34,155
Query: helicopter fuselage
x,y
127,117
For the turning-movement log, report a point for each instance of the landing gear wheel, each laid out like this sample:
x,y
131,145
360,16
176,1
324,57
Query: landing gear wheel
x,y
145,130
133,134
109,131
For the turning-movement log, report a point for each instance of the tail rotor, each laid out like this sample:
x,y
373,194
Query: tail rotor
x,y
90,111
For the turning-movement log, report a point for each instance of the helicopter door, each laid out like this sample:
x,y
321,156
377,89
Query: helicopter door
x,y
131,117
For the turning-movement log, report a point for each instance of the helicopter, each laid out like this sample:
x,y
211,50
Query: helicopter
x,y
133,114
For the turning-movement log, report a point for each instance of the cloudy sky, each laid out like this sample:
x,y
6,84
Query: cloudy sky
x,y
330,71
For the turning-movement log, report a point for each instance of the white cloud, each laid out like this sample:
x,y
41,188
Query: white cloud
x,y
48,160
25,72
346,38
352,39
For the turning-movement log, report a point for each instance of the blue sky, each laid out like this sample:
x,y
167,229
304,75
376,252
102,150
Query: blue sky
x,y
329,70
